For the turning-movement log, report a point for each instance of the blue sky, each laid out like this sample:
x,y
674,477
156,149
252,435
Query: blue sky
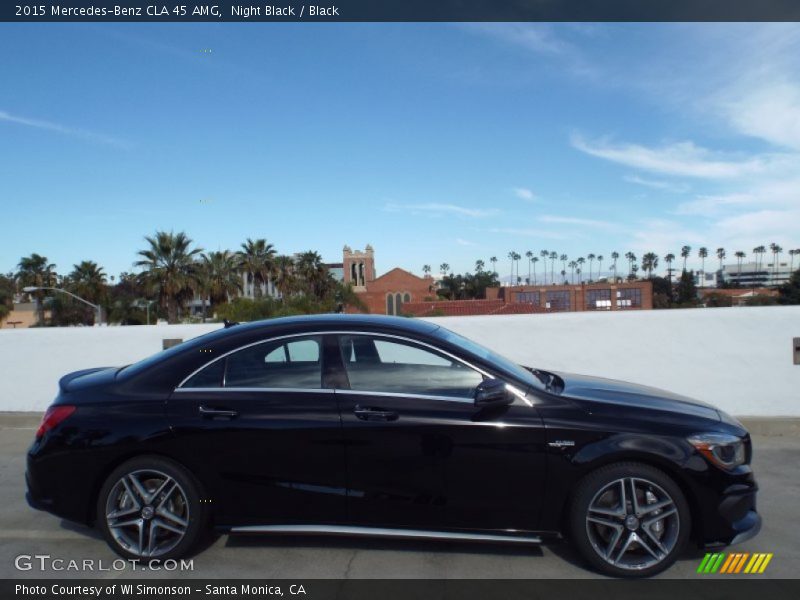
x,y
433,142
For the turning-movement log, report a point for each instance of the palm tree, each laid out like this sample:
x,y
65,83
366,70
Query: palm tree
x,y
776,253
313,274
759,252
563,258
285,280
591,258
426,269
512,255
221,277
517,258
444,268
703,254
553,257
739,258
257,261
599,265
580,262
493,260
88,281
614,257
631,259
35,271
649,262
669,258
721,256
572,265
169,268
792,254
534,260
479,264
685,252
545,254
529,256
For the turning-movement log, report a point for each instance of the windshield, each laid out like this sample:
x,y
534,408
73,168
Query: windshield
x,y
496,359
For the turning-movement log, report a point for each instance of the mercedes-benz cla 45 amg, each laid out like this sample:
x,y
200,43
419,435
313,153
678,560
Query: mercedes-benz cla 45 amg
x,y
358,425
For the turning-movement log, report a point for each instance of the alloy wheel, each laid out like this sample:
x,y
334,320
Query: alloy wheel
x,y
633,523
147,513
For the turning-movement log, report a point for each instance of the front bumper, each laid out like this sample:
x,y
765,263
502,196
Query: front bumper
x,y
731,518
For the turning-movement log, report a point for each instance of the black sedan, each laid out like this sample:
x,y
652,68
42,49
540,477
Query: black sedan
x,y
380,426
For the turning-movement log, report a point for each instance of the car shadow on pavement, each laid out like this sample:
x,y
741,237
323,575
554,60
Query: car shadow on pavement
x,y
91,532
367,543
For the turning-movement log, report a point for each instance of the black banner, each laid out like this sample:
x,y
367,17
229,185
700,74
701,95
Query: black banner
x,y
709,588
403,10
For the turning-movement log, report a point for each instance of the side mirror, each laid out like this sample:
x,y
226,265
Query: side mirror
x,y
492,392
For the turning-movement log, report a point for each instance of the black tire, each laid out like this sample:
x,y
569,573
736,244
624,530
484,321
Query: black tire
x,y
594,532
179,508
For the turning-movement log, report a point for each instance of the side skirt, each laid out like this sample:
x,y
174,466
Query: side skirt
x,y
413,534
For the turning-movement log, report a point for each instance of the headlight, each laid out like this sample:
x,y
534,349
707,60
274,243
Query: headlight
x,y
722,449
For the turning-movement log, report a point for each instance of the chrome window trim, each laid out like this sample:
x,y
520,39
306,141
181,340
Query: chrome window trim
x,y
407,395
256,389
319,333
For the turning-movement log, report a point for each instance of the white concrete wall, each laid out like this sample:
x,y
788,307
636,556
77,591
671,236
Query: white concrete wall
x,y
736,358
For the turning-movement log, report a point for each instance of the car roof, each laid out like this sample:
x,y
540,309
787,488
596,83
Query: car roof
x,y
340,320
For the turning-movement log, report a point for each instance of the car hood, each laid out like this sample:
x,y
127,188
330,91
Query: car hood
x,y
611,391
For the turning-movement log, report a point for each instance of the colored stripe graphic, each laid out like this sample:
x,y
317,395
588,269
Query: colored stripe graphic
x,y
703,563
741,562
728,563
765,563
735,562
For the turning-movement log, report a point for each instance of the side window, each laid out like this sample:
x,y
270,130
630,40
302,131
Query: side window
x,y
293,363
209,377
376,364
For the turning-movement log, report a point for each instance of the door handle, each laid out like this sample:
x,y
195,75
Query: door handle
x,y
217,412
371,413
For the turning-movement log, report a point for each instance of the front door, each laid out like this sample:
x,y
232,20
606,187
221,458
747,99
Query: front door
x,y
420,454
264,431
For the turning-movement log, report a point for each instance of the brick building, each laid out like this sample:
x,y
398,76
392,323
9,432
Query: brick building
x,y
388,293
576,298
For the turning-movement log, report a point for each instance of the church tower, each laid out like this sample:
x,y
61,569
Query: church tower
x,y
359,267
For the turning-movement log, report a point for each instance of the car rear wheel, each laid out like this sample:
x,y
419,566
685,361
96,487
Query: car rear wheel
x,y
629,520
149,508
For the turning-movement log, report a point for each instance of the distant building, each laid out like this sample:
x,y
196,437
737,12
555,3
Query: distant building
x,y
750,274
522,299
572,298
388,293
738,296
21,316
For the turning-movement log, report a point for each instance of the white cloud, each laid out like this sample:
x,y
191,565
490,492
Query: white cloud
x,y
666,186
524,194
62,129
537,37
542,233
576,221
683,159
463,242
770,112
441,209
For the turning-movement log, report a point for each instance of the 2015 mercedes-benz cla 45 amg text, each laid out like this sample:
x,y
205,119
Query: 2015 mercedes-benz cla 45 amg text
x,y
359,425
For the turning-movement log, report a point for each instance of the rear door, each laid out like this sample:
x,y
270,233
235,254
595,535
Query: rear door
x,y
262,430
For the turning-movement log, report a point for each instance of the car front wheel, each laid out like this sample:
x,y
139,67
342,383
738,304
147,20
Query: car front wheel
x,y
150,508
629,520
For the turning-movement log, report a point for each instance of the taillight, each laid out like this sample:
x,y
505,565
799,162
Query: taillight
x,y
54,416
